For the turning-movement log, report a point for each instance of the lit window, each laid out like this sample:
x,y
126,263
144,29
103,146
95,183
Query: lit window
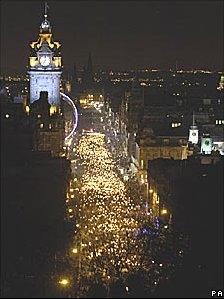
x,y
7,116
38,115
164,211
27,109
216,122
220,122
175,125
53,109
41,126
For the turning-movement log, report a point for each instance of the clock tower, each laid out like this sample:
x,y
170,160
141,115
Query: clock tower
x,y
45,65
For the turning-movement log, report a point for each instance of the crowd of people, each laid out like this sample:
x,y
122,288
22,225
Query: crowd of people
x,y
110,243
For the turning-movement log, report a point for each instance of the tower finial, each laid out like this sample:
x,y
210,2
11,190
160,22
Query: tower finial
x,y
45,10
193,119
45,25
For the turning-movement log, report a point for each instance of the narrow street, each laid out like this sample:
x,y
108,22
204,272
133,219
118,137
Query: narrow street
x,y
104,242
114,237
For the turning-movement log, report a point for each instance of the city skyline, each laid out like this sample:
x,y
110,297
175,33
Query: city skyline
x,y
112,172
189,34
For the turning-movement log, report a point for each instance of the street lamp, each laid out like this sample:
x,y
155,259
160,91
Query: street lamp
x,y
63,282
74,250
164,211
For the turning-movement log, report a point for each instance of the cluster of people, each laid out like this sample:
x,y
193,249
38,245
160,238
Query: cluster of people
x,y
107,219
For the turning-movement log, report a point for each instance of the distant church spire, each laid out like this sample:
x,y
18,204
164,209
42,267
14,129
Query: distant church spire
x,y
75,77
194,126
90,65
193,132
88,73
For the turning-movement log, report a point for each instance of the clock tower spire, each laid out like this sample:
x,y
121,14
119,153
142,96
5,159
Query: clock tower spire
x,y
45,66
45,9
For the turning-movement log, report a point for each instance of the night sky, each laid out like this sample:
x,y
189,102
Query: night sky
x,y
120,34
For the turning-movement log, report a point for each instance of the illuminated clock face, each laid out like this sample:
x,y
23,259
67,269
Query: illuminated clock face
x,y
44,60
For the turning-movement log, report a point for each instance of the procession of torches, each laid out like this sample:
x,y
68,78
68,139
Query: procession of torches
x,y
105,227
105,247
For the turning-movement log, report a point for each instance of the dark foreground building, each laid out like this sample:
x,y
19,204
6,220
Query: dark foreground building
x,y
33,212
193,191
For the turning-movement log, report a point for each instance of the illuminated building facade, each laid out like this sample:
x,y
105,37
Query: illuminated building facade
x,y
221,83
206,145
45,65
